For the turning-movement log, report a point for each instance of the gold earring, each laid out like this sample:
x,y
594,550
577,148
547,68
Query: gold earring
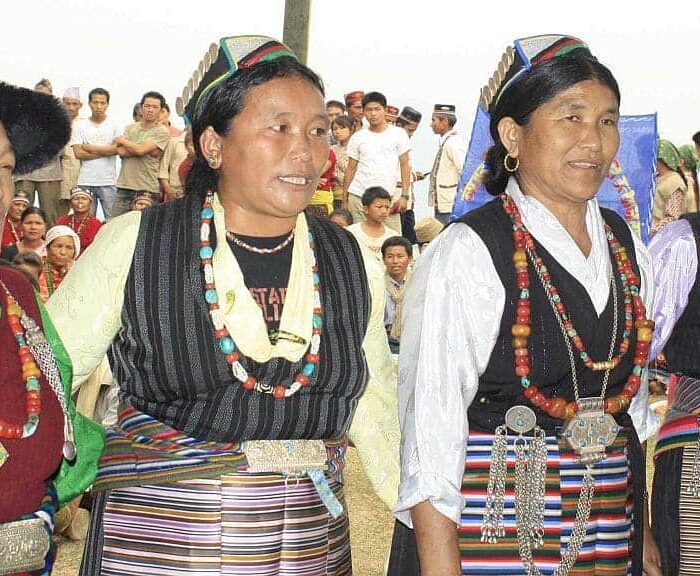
x,y
212,161
508,168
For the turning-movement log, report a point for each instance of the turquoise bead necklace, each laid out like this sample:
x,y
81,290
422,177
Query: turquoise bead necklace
x,y
222,335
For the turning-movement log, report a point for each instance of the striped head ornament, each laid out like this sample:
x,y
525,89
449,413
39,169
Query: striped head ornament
x,y
221,62
517,60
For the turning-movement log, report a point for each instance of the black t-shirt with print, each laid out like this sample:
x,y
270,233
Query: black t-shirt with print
x,y
266,275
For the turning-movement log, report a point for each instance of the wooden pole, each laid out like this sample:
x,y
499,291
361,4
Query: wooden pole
x,y
296,26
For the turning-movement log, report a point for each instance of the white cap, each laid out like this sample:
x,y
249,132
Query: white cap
x,y
72,93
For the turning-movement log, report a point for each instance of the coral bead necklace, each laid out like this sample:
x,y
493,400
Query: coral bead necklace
x,y
635,316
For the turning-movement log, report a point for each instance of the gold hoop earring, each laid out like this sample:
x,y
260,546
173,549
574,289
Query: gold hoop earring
x,y
508,168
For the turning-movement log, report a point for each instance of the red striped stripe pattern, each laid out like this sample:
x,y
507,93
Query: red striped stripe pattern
x,y
606,550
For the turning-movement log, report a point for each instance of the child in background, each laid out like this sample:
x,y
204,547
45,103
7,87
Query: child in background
x,y
376,204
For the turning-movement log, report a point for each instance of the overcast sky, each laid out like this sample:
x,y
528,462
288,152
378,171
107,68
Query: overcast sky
x,y
416,52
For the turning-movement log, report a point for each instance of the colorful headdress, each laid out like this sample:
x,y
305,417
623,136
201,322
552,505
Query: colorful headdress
x,y
21,196
524,55
392,111
668,154
629,187
37,126
221,62
80,191
688,155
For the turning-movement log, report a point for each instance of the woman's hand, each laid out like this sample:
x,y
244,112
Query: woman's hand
x,y
652,558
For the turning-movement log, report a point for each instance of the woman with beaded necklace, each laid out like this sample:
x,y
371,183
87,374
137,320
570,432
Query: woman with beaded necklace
x,y
246,338
48,453
526,335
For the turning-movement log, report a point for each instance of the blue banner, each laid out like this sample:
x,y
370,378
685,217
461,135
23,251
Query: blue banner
x,y
628,189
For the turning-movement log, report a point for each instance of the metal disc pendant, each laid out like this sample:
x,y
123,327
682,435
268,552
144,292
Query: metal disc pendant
x,y
520,419
69,450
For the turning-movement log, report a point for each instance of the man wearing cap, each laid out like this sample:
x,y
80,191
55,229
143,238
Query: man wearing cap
x,y
93,143
70,165
448,163
354,108
392,113
11,230
46,180
408,119
80,220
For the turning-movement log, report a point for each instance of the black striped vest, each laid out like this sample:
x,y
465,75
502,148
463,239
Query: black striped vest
x,y
168,362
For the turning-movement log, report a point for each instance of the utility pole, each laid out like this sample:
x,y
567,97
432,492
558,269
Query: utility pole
x,y
296,26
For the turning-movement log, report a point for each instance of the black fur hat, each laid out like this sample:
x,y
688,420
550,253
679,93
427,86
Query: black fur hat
x,y
37,125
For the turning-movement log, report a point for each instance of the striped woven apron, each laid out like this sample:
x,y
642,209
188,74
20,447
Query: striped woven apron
x,y
607,547
229,523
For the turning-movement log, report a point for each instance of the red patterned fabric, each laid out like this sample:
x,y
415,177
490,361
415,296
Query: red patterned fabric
x,y
88,232
33,460
8,237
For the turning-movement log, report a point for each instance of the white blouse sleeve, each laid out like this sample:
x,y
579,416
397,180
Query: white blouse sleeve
x,y
452,313
644,419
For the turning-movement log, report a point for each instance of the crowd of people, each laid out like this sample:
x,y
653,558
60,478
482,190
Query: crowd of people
x,y
260,295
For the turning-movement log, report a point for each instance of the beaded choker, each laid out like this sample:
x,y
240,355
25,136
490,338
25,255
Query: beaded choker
x,y
224,339
255,250
635,315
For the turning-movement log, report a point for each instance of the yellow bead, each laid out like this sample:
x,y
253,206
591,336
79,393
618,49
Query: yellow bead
x,y
644,334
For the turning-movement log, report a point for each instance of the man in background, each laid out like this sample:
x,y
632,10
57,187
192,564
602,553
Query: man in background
x,y
70,165
93,143
140,149
448,163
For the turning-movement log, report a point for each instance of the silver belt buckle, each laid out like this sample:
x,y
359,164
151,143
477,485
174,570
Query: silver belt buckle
x,y
285,456
24,545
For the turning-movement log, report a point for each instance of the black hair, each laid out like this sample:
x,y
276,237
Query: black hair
x,y
535,88
375,193
27,257
377,97
696,137
156,96
343,213
336,104
226,101
136,111
33,210
397,241
344,122
100,92
37,126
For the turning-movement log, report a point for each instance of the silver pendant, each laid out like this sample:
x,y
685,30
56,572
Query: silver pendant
x,y
520,419
591,431
69,450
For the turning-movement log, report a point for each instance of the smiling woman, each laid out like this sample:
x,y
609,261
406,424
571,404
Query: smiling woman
x,y
247,338
538,375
